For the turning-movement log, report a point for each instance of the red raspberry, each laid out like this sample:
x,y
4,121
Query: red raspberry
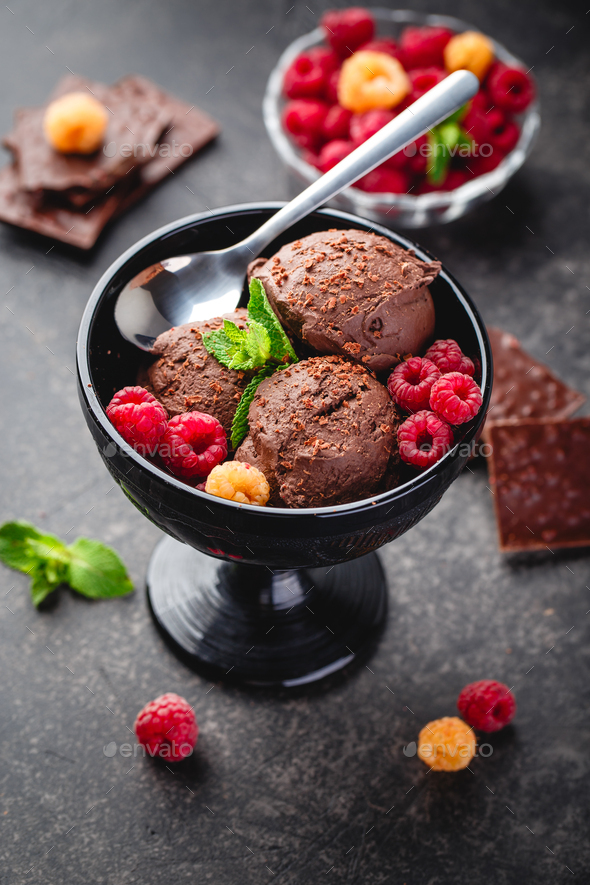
x,y
331,88
363,126
423,79
481,165
348,29
410,383
336,123
383,44
332,153
167,727
455,397
422,47
304,117
325,58
504,134
423,439
417,160
509,88
383,180
487,705
139,418
446,354
304,78
193,444
476,124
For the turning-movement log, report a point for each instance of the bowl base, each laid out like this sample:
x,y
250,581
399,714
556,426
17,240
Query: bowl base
x,y
255,625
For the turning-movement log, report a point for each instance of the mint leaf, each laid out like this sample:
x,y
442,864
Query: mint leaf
x,y
87,566
235,335
260,310
41,587
258,342
97,571
240,427
218,344
23,547
440,157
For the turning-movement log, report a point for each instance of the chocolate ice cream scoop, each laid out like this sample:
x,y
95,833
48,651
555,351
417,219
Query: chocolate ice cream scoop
x,y
322,432
185,378
352,293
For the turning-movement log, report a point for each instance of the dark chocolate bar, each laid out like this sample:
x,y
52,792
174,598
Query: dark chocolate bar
x,y
540,476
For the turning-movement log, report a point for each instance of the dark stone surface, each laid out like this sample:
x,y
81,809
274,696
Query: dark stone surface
x,y
297,784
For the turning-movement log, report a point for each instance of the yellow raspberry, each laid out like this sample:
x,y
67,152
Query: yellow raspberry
x,y
75,123
469,51
446,744
372,80
238,481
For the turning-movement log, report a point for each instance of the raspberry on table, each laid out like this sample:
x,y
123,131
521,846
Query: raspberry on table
x,y
140,419
332,153
446,744
410,383
446,354
423,439
193,444
75,123
509,88
370,80
348,29
384,180
423,47
167,727
336,123
487,705
238,481
304,78
470,51
455,397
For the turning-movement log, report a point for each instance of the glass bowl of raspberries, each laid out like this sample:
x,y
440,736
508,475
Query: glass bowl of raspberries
x,y
279,594
337,85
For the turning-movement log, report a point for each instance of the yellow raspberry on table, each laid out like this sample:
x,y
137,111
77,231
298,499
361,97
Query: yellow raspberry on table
x,y
469,51
371,80
447,744
238,481
75,123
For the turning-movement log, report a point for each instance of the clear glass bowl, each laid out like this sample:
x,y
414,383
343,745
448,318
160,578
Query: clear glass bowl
x,y
399,210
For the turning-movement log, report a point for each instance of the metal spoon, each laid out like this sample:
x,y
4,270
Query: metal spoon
x,y
202,285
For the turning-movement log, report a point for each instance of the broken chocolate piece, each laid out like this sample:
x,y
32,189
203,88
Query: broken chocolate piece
x,y
540,476
524,387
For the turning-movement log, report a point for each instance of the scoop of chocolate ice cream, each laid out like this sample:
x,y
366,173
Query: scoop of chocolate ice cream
x,y
185,378
322,432
352,293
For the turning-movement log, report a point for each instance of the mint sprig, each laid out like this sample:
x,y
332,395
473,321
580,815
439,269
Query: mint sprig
x,y
89,567
263,346
445,140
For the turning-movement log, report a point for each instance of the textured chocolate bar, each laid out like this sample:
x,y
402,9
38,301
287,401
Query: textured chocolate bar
x,y
524,387
540,476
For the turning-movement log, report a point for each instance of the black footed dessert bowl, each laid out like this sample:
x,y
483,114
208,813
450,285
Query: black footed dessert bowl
x,y
263,595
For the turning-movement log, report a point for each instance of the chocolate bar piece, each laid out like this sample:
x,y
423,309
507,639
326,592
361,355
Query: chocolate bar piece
x,y
524,387
78,228
136,119
540,476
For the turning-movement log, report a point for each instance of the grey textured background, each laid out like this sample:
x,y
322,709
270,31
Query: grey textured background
x,y
287,787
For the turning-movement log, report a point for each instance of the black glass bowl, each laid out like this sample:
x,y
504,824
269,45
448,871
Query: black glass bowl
x,y
262,595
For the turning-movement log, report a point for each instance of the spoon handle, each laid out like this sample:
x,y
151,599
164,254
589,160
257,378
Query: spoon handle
x,y
433,107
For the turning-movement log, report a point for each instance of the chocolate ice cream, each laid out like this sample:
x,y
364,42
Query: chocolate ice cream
x,y
322,432
186,378
352,293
